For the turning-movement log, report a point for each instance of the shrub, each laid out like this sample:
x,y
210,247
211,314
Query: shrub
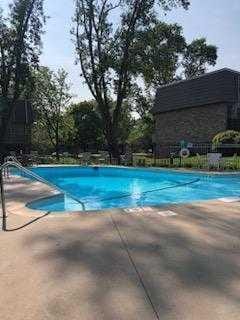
x,y
227,137
62,160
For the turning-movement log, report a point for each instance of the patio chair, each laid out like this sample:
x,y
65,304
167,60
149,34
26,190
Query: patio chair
x,y
214,160
12,153
66,154
34,157
127,159
104,157
85,158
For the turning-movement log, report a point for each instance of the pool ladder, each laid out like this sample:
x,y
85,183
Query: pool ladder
x,y
4,172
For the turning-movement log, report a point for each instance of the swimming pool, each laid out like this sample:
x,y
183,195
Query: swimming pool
x,y
107,187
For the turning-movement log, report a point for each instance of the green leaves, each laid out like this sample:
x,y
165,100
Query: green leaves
x,y
197,56
20,45
227,137
88,125
157,51
161,54
109,55
50,100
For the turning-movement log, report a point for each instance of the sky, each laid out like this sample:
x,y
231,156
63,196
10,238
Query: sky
x,y
216,20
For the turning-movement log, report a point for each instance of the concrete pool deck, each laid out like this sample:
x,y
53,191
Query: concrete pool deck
x,y
119,265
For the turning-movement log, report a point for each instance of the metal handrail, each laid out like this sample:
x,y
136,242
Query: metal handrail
x,y
35,176
9,159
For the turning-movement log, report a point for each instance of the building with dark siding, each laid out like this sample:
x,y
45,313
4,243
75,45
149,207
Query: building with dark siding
x,y
18,136
195,110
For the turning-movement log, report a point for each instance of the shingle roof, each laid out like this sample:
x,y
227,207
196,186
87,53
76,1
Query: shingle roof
x,y
213,87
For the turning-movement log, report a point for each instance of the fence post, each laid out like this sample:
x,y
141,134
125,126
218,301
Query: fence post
x,y
4,214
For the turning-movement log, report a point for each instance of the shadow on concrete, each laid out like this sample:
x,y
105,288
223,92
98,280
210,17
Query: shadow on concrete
x,y
184,262
26,190
27,223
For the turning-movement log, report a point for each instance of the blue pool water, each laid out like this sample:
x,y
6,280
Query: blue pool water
x,y
107,187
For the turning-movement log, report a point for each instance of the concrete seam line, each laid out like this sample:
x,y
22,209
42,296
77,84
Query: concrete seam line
x,y
125,245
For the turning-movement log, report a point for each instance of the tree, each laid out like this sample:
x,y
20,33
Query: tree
x,y
88,125
161,52
157,52
40,136
40,139
126,123
162,56
50,100
140,136
89,128
20,46
106,53
197,56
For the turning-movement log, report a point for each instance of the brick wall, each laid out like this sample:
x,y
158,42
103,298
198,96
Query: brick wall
x,y
196,125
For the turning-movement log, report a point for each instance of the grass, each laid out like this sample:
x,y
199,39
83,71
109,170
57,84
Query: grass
x,y
194,162
62,160
144,160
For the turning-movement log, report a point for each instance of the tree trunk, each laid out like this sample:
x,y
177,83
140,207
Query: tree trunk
x,y
57,152
113,146
110,132
57,144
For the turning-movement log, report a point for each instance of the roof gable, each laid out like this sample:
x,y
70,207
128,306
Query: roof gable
x,y
210,88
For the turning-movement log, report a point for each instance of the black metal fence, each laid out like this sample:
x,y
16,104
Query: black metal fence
x,y
200,148
169,156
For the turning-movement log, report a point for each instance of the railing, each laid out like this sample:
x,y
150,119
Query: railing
x,y
8,164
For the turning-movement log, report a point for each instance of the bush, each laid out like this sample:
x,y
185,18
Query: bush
x,y
227,137
62,160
